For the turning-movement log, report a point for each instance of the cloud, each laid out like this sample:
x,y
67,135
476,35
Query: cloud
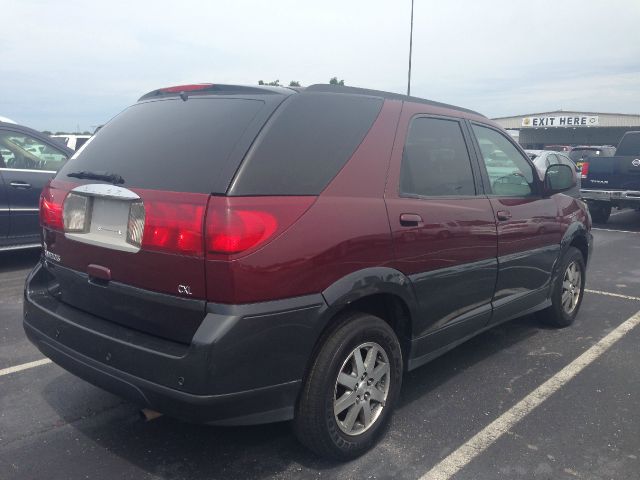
x,y
81,63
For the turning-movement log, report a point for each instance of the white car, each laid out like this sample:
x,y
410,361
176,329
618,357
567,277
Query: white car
x,y
72,141
543,158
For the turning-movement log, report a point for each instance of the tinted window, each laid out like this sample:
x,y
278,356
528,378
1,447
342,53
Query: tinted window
x,y
629,145
435,160
510,174
305,144
80,142
168,144
22,151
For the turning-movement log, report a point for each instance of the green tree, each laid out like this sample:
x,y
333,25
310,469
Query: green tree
x,y
335,81
294,83
46,132
275,83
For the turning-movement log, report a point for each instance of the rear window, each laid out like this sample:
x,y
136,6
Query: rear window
x,y
169,144
581,153
629,145
305,144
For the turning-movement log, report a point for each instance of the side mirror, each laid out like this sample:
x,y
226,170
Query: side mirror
x,y
559,178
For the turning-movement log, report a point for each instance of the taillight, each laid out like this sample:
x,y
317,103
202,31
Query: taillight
x,y
238,224
173,222
584,171
51,200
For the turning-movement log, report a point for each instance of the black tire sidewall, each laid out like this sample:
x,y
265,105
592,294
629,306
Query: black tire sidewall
x,y
562,318
356,330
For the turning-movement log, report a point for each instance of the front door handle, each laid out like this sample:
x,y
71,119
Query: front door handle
x,y
503,215
20,185
411,220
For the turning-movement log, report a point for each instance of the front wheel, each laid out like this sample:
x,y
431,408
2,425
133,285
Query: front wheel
x,y
351,388
568,290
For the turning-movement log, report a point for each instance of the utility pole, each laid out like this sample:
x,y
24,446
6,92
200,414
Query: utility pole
x,y
410,52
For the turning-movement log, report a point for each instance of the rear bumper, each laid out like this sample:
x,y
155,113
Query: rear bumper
x,y
611,195
243,366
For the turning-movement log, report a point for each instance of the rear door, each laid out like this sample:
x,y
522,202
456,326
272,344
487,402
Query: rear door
x,y
443,228
4,204
29,163
528,228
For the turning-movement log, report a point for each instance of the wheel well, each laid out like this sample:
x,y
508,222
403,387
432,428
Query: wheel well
x,y
390,308
581,244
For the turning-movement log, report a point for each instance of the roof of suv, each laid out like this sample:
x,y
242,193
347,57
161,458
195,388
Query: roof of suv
x,y
209,88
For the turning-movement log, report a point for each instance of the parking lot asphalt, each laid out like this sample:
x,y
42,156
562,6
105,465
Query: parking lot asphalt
x,y
53,425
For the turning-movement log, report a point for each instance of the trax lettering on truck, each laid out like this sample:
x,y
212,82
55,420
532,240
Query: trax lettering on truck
x,y
335,236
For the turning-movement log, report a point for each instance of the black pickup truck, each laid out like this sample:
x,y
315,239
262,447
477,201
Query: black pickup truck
x,y
613,181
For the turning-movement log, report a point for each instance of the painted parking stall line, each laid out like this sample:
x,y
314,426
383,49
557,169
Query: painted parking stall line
x,y
610,294
462,456
24,366
612,230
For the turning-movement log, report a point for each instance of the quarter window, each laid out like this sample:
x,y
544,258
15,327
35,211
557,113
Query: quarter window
x,y
510,174
22,151
435,160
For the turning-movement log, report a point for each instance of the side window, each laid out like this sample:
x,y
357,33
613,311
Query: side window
x,y
510,174
435,160
23,151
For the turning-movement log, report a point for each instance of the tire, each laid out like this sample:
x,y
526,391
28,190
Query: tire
x,y
562,313
600,212
346,435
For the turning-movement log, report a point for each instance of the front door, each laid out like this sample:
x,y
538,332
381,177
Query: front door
x,y
29,163
529,232
443,229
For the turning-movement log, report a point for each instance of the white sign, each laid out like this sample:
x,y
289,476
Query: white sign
x,y
561,121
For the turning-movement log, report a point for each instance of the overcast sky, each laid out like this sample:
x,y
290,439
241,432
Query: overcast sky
x,y
65,64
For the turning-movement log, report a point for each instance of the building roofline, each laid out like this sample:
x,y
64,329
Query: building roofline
x,y
565,112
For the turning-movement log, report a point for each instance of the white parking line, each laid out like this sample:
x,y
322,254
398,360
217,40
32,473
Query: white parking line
x,y
609,294
24,366
610,230
461,457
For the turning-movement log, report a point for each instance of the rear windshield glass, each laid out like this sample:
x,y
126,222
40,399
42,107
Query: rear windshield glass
x,y
308,141
629,145
585,152
169,144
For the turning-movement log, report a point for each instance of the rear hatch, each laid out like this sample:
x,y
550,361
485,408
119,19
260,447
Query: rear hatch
x,y
611,173
124,218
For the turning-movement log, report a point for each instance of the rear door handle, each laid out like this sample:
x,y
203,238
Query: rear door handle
x,y
411,220
20,185
503,214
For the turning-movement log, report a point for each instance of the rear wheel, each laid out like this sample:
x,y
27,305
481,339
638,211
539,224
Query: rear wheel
x,y
351,389
600,212
568,290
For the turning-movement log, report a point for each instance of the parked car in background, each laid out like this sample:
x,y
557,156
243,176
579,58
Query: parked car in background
x,y
72,141
558,148
609,182
579,153
543,159
28,160
285,257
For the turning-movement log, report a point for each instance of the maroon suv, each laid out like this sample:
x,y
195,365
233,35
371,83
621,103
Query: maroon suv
x,y
237,255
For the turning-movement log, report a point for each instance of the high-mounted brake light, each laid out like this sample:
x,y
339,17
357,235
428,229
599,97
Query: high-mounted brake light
x,y
584,171
51,201
187,88
238,224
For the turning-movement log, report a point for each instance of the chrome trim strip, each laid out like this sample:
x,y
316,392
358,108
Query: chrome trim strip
x,y
106,190
19,247
11,209
5,169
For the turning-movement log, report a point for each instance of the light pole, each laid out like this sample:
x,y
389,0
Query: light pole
x,y
410,51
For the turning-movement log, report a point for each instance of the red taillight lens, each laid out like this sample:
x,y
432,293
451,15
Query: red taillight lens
x,y
173,222
584,171
187,88
238,224
51,201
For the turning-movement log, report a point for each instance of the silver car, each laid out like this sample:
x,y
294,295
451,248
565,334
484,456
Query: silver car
x,y
543,158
